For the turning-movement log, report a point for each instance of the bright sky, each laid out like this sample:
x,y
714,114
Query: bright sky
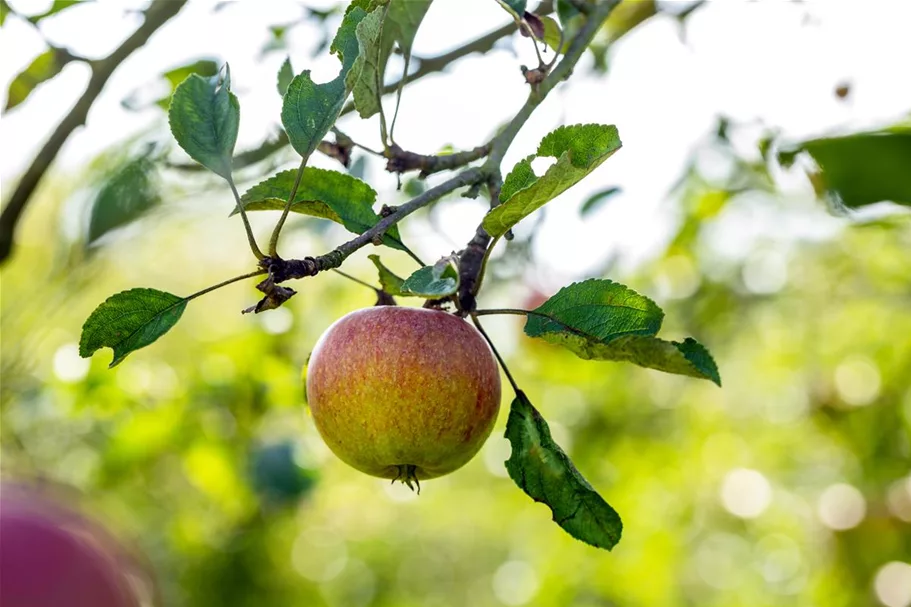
x,y
776,62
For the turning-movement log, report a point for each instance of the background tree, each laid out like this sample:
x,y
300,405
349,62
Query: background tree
x,y
728,490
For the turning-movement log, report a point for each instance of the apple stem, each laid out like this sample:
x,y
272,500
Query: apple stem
x,y
477,323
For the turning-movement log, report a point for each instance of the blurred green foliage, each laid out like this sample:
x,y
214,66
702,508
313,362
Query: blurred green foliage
x,y
201,453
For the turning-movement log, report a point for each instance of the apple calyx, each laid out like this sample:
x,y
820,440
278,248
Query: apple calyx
x,y
407,474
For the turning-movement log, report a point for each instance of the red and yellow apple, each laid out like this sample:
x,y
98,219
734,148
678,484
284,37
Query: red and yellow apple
x,y
403,393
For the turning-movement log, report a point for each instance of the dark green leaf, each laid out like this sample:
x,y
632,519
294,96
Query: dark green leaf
x,y
596,310
438,280
543,471
309,110
321,193
864,168
56,7
514,7
579,150
597,200
126,195
141,98
391,282
285,76
130,320
204,117
44,67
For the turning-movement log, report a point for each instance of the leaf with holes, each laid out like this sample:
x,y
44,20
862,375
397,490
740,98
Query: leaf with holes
x,y
204,117
542,470
579,150
309,110
130,320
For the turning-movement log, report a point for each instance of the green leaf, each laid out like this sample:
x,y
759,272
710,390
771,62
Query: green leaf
x,y
603,320
130,320
44,67
546,474
377,34
4,11
864,168
567,12
514,7
597,200
285,76
596,310
439,280
391,282
126,195
322,193
579,150
204,117
309,110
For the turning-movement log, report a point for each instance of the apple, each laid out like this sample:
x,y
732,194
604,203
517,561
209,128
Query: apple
x,y
403,393
52,556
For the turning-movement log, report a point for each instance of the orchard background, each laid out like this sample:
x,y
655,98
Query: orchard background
x,y
788,486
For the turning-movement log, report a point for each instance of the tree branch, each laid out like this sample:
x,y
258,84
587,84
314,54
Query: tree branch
x,y
155,16
427,66
472,257
281,270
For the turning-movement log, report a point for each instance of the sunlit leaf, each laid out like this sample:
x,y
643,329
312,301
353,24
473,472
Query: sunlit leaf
x,y
126,195
321,193
130,320
438,280
44,67
309,110
579,150
542,470
204,117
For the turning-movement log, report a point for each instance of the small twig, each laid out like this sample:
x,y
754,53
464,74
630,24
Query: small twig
x,y
493,348
400,161
484,260
224,284
243,215
281,270
512,311
273,241
355,279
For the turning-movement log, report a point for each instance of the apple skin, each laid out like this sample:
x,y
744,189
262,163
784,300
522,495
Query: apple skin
x,y
52,556
403,393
